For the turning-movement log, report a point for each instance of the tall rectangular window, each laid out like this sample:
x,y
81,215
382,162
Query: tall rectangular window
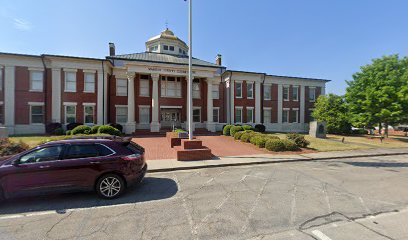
x,y
285,93
196,89
238,89
216,115
250,115
70,114
89,113
197,115
144,85
144,114
89,85
250,90
170,86
36,81
267,115
70,81
215,91
312,94
267,92
294,116
121,87
121,114
37,114
285,116
238,115
295,93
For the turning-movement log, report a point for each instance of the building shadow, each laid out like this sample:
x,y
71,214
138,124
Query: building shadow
x,y
150,189
378,164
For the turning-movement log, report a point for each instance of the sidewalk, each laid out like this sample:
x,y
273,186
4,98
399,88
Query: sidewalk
x,y
173,165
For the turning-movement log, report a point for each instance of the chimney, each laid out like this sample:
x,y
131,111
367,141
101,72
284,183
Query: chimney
x,y
112,49
218,60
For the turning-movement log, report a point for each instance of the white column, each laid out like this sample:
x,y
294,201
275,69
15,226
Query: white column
x,y
258,102
9,98
232,95
56,95
131,124
99,106
155,124
280,103
210,124
302,104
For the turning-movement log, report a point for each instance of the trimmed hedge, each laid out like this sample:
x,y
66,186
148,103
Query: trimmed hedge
x,y
82,129
259,128
68,132
260,142
247,127
117,126
226,130
235,129
245,137
298,139
106,129
8,147
71,126
237,135
290,145
275,145
94,129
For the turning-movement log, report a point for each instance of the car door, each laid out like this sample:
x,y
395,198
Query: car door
x,y
35,172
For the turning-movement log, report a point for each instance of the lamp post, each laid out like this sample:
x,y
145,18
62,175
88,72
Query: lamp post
x,y
190,71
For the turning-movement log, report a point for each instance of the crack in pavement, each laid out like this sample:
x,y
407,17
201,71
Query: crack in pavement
x,y
58,222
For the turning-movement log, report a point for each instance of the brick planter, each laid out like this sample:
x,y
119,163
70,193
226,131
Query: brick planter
x,y
191,150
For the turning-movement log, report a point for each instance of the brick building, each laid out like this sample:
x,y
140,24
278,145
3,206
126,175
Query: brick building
x,y
147,91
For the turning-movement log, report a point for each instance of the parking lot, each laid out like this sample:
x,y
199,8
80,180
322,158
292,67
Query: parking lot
x,y
360,198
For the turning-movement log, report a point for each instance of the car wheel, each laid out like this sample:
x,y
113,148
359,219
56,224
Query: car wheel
x,y
110,186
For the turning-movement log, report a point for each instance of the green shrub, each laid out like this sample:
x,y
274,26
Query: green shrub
x,y
237,135
8,147
275,145
261,141
247,127
178,130
271,136
226,130
105,129
245,137
235,129
58,131
259,128
68,132
254,138
94,129
82,129
299,139
290,145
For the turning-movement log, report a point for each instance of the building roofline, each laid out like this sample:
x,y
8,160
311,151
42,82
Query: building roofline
x,y
279,76
52,55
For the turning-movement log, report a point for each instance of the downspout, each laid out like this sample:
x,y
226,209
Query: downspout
x,y
45,86
103,93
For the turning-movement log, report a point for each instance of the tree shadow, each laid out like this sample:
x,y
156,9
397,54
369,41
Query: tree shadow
x,y
150,189
378,164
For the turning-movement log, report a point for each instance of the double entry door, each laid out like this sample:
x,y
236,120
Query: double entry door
x,y
170,117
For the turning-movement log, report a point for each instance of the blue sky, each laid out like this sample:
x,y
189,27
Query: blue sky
x,y
314,38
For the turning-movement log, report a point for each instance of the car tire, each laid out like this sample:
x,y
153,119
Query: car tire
x,y
110,186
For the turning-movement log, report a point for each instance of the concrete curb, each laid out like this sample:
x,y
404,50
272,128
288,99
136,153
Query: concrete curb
x,y
271,162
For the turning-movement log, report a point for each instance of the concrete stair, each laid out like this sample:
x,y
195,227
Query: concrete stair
x,y
192,150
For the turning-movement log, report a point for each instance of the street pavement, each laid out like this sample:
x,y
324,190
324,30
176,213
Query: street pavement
x,y
357,198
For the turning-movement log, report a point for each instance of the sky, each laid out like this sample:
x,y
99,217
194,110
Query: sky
x,y
313,38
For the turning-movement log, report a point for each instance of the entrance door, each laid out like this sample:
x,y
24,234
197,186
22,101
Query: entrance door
x,y
170,118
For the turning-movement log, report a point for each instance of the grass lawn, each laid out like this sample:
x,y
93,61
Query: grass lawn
x,y
367,140
33,141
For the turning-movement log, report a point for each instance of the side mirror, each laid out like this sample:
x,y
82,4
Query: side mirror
x,y
15,162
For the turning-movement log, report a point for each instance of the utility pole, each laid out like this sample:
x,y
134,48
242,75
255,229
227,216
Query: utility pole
x,y
190,71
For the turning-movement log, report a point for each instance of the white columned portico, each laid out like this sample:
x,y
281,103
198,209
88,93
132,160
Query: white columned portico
x,y
257,102
9,98
100,105
280,103
210,123
302,104
155,124
130,126
56,95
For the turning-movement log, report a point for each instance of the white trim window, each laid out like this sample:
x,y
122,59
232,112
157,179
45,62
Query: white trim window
x,y
36,81
238,89
294,116
196,88
36,113
250,115
89,82
121,115
312,94
196,114
267,92
250,90
70,81
285,93
89,114
70,113
295,93
144,114
144,86
121,87
267,115
216,114
215,91
238,114
285,116
170,86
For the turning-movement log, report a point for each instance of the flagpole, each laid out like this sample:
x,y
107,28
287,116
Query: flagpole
x,y
190,71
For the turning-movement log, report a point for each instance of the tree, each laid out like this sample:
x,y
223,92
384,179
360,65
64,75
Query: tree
x,y
333,110
378,94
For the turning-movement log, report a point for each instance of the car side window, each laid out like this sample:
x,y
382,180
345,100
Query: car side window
x,y
103,150
42,155
81,151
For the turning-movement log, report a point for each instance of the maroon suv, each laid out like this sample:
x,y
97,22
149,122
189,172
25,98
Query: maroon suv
x,y
106,166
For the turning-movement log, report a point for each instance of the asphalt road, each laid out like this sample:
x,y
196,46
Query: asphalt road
x,y
362,198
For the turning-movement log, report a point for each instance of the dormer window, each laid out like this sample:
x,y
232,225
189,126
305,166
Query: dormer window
x,y
165,47
171,48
